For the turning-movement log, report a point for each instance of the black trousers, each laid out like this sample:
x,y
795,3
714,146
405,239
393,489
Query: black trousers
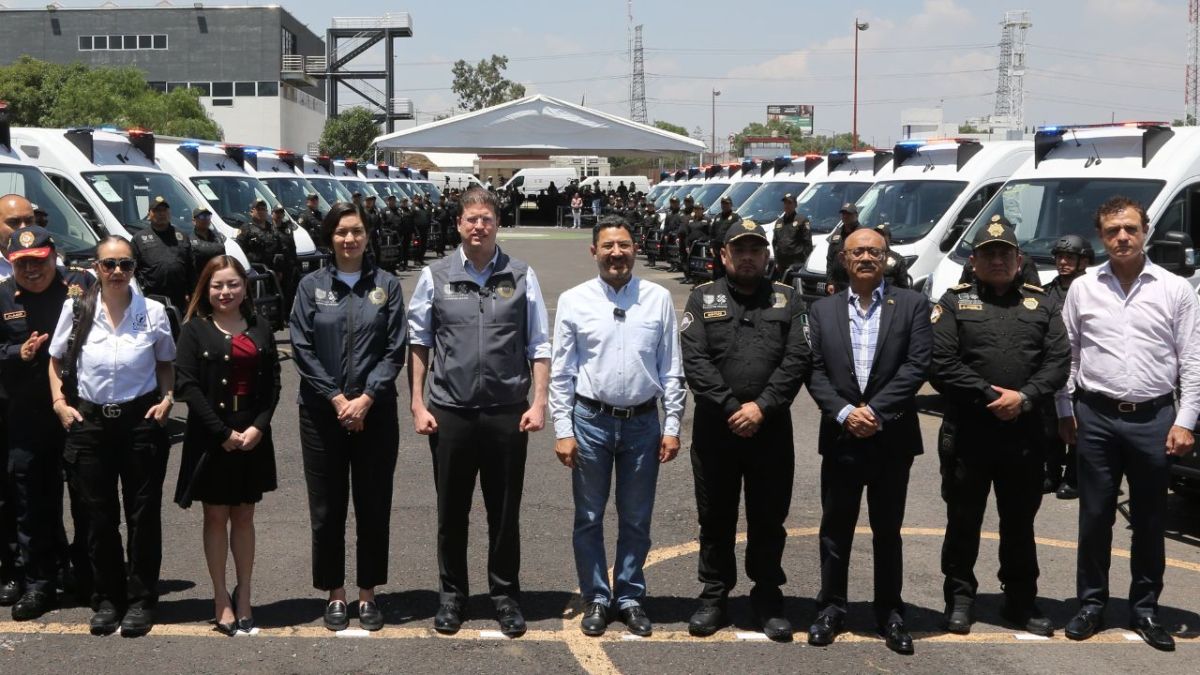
x,y
1112,445
9,557
1060,458
337,462
721,463
976,456
883,474
130,451
483,442
35,470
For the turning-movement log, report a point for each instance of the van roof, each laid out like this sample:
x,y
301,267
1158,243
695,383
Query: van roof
x,y
1114,151
952,159
87,148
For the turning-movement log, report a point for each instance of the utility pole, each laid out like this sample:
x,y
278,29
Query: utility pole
x,y
858,26
713,149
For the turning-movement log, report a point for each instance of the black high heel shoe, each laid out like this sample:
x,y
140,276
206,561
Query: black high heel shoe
x,y
245,624
228,629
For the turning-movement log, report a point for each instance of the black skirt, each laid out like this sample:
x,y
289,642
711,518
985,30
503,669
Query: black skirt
x,y
213,475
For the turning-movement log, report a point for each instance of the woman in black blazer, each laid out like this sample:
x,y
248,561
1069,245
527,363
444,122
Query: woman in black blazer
x,y
228,374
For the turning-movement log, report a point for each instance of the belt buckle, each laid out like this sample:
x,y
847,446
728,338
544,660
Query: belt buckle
x,y
1126,407
111,410
622,413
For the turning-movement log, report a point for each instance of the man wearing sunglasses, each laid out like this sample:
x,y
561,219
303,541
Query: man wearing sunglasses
x,y
164,257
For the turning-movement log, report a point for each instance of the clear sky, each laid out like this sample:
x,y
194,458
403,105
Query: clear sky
x,y
1088,60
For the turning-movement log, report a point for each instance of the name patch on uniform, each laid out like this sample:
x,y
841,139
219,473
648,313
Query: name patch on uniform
x,y
377,296
456,291
716,315
977,306
10,316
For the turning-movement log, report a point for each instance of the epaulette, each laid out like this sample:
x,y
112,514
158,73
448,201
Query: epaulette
x,y
960,287
780,283
707,283
1032,287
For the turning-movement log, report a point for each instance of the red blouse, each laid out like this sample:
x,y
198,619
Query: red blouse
x,y
243,368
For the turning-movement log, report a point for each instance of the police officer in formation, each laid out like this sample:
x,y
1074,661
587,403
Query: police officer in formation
x,y
674,224
311,216
420,227
164,257
999,351
745,357
695,231
793,237
395,224
205,241
836,278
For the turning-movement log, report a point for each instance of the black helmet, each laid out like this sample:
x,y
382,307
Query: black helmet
x,y
1075,245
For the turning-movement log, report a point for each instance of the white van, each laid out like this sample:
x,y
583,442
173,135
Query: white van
x,y
936,189
74,239
784,176
279,170
319,173
1073,170
346,171
606,183
447,180
745,179
532,181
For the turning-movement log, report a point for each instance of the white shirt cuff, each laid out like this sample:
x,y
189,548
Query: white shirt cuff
x,y
844,413
1186,418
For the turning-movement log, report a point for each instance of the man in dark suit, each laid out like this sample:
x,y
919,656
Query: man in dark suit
x,y
871,348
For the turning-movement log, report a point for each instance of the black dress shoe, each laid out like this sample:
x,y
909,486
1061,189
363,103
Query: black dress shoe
x,y
1030,620
106,620
595,619
245,624
1067,492
707,620
137,622
959,619
369,616
776,628
1085,624
33,605
230,629
337,616
10,592
824,630
635,619
896,636
1153,633
448,619
512,622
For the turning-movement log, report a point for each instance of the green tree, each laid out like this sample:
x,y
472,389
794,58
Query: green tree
x,y
800,143
673,128
31,88
483,84
969,129
350,134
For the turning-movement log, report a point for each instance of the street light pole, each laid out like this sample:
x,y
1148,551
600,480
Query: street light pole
x,y
713,150
858,26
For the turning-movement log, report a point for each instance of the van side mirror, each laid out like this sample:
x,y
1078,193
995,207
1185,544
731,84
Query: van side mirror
x,y
1174,252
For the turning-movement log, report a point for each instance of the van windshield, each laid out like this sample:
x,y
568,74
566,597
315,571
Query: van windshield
x,y
360,186
127,195
710,194
909,208
822,203
386,188
766,205
1043,211
231,196
330,189
293,191
431,191
738,194
72,234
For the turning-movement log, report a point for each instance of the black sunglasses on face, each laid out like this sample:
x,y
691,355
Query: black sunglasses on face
x,y
20,221
110,264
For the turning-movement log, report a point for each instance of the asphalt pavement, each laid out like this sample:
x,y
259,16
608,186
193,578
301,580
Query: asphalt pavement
x,y
291,639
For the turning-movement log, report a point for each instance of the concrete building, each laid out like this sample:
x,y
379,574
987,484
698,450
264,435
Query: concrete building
x,y
233,55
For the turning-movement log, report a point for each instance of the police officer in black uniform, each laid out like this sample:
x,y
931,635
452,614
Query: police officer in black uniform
x,y
745,356
836,279
164,257
30,303
1072,256
1029,272
999,350
420,225
392,219
717,229
311,217
793,238
205,241
261,242
696,230
673,225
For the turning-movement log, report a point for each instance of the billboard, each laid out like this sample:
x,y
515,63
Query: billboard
x,y
797,115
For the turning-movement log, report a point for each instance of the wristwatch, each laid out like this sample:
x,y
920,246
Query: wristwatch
x,y
1026,402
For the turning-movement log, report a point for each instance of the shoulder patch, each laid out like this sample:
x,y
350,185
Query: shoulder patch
x,y
1035,289
935,314
959,288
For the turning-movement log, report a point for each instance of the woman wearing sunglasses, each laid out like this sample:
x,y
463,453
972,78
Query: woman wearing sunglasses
x,y
111,382
228,371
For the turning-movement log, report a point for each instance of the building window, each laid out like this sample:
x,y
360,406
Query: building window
x,y
243,88
85,43
115,42
157,86
222,102
268,88
160,41
203,87
100,42
222,89
121,42
131,42
289,42
172,86
145,42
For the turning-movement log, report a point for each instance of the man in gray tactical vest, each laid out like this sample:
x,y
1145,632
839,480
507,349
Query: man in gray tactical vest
x,y
480,336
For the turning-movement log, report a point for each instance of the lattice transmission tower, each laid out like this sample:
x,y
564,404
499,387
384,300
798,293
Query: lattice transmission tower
x,y
637,83
1010,88
1191,75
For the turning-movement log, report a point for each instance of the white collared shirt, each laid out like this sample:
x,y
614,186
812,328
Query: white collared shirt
x,y
621,361
116,366
1134,346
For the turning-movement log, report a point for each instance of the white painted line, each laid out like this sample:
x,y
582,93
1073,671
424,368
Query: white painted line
x,y
750,636
253,631
492,635
631,636
1132,637
1029,636
353,633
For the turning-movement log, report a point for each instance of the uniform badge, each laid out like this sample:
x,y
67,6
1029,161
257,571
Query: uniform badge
x,y
74,291
748,225
377,296
995,229
141,321
1030,303
320,293
179,235
505,289
27,238
687,321
708,299
935,314
780,301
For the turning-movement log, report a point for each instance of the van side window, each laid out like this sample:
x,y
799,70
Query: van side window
x,y
73,195
1183,213
977,201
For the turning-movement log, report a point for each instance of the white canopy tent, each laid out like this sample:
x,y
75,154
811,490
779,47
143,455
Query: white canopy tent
x,y
540,125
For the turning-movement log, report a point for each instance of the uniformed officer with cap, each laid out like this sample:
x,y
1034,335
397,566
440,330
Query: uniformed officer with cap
x,y
745,356
1028,273
836,279
311,217
206,242
259,239
420,226
793,237
164,257
674,223
718,228
694,231
30,302
999,350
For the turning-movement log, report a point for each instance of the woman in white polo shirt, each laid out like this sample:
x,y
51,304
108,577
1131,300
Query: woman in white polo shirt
x,y
111,378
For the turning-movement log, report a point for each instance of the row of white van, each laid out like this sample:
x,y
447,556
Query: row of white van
x,y
934,194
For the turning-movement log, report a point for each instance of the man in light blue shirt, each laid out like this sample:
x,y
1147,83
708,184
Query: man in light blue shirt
x,y
616,354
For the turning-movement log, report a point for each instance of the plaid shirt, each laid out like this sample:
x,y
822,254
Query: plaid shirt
x,y
864,333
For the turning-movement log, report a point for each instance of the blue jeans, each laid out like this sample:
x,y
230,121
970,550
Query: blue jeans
x,y
632,447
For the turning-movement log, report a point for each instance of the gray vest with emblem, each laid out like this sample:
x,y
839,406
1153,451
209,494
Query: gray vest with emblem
x,y
479,358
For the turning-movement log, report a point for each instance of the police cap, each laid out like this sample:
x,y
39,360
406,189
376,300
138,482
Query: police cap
x,y
747,228
30,242
997,231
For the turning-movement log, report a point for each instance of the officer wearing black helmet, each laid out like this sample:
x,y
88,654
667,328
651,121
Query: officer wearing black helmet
x,y
999,350
1072,256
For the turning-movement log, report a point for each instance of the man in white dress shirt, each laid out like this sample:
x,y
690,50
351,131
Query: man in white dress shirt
x,y
616,356
1133,332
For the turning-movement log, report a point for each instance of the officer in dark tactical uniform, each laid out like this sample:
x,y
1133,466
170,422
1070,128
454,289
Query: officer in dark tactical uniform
x,y
164,257
895,269
420,224
717,229
311,217
261,242
793,237
696,230
745,356
205,241
31,302
397,257
673,224
1072,256
1029,273
999,350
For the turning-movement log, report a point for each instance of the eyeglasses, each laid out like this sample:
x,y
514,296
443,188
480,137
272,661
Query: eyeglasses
x,y
17,222
110,264
865,252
